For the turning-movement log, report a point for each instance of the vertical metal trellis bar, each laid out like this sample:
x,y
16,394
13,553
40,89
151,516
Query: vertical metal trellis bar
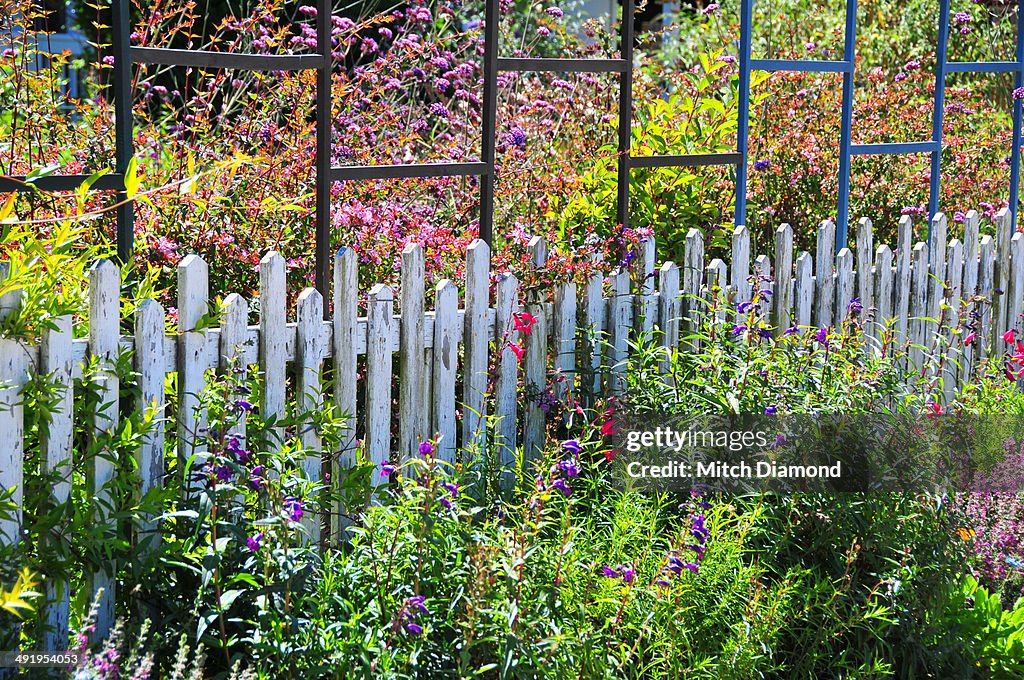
x,y
941,57
1018,110
123,124
846,126
625,110
324,110
743,132
489,124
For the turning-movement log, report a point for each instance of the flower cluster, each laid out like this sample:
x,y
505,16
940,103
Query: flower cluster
x,y
409,614
688,556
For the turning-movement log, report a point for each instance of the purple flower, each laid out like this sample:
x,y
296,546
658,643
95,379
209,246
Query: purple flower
x,y
712,7
962,18
253,542
761,165
822,336
368,46
627,572
739,328
780,440
440,110
1018,94
765,333
727,59
426,448
453,489
770,410
609,572
744,307
569,467
515,137
562,485
414,628
293,508
387,469
555,12
107,60
223,473
543,31
855,307
446,502
572,446
244,405
417,602
792,330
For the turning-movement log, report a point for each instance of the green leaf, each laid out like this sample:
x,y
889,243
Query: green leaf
x,y
131,179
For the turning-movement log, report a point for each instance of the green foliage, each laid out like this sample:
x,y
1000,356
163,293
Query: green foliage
x,y
990,638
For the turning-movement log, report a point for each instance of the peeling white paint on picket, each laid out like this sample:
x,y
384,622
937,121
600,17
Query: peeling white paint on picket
x,y
580,341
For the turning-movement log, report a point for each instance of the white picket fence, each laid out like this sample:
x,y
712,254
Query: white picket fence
x,y
590,326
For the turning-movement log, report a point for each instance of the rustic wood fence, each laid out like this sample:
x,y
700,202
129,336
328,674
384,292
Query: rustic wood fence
x,y
581,333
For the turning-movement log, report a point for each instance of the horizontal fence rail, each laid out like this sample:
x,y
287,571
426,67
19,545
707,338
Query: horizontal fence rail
x,y
457,362
126,57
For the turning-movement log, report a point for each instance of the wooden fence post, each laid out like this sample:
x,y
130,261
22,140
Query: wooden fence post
x,y
475,338
273,330
56,361
104,337
309,315
535,368
507,379
412,426
379,333
445,357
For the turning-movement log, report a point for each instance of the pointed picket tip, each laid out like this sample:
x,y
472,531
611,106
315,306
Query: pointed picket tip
x,y
381,292
309,296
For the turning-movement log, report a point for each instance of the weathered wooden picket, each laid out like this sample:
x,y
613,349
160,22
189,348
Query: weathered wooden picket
x,y
591,326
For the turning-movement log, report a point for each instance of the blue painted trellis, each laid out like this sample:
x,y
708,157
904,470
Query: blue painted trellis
x,y
847,149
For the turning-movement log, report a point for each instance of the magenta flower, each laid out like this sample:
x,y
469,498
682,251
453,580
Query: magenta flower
x,y
253,543
555,12
387,469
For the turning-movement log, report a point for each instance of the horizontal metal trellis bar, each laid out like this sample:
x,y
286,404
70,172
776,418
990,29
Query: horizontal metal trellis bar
x,y
411,170
686,161
207,59
982,67
893,148
540,64
108,182
802,65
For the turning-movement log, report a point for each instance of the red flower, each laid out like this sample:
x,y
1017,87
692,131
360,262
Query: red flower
x,y
608,429
935,408
519,351
1009,336
970,338
524,322
609,455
